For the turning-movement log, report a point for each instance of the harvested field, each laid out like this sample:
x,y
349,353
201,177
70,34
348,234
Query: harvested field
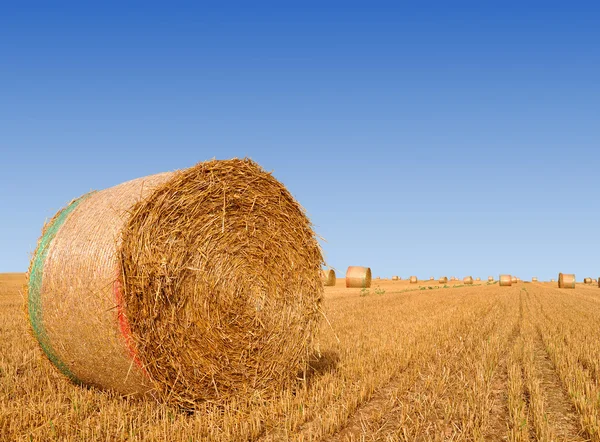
x,y
397,362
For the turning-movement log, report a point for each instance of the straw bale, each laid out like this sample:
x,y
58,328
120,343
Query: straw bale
x,y
514,279
478,279
394,278
468,280
443,280
431,278
328,277
358,277
413,280
534,279
505,280
587,280
200,284
566,280
490,278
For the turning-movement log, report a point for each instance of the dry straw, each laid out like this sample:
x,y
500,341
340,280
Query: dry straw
x,y
478,279
468,280
514,279
505,281
566,280
431,278
328,277
490,278
534,279
394,278
195,285
443,280
413,280
358,277
587,280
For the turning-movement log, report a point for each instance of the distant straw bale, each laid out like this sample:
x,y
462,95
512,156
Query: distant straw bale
x,y
566,280
468,280
587,280
534,279
413,280
200,284
431,278
478,279
358,277
394,278
505,280
443,280
514,280
490,278
328,277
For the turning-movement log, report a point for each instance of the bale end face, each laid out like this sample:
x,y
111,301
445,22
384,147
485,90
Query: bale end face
x,y
328,277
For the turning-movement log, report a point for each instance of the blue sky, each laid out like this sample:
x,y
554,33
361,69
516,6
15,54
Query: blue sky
x,y
431,138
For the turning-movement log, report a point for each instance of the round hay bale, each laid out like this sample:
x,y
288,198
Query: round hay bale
x,y
358,277
200,284
443,280
328,277
514,279
587,280
566,280
468,280
413,280
490,278
394,278
534,279
431,278
505,280
478,279
553,280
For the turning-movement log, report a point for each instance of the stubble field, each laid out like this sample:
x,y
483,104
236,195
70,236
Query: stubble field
x,y
401,362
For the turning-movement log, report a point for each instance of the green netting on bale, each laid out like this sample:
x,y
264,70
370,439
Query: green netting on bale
x,y
36,274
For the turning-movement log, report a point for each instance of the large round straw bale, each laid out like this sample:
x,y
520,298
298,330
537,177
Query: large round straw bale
x,y
413,280
328,277
443,280
587,280
566,280
394,278
200,284
490,278
468,280
505,280
358,277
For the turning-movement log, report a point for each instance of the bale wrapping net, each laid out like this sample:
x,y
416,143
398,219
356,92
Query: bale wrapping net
x,y
566,280
358,277
328,277
194,285
505,281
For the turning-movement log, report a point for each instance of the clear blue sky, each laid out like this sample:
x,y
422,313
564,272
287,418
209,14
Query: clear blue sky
x,y
431,138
